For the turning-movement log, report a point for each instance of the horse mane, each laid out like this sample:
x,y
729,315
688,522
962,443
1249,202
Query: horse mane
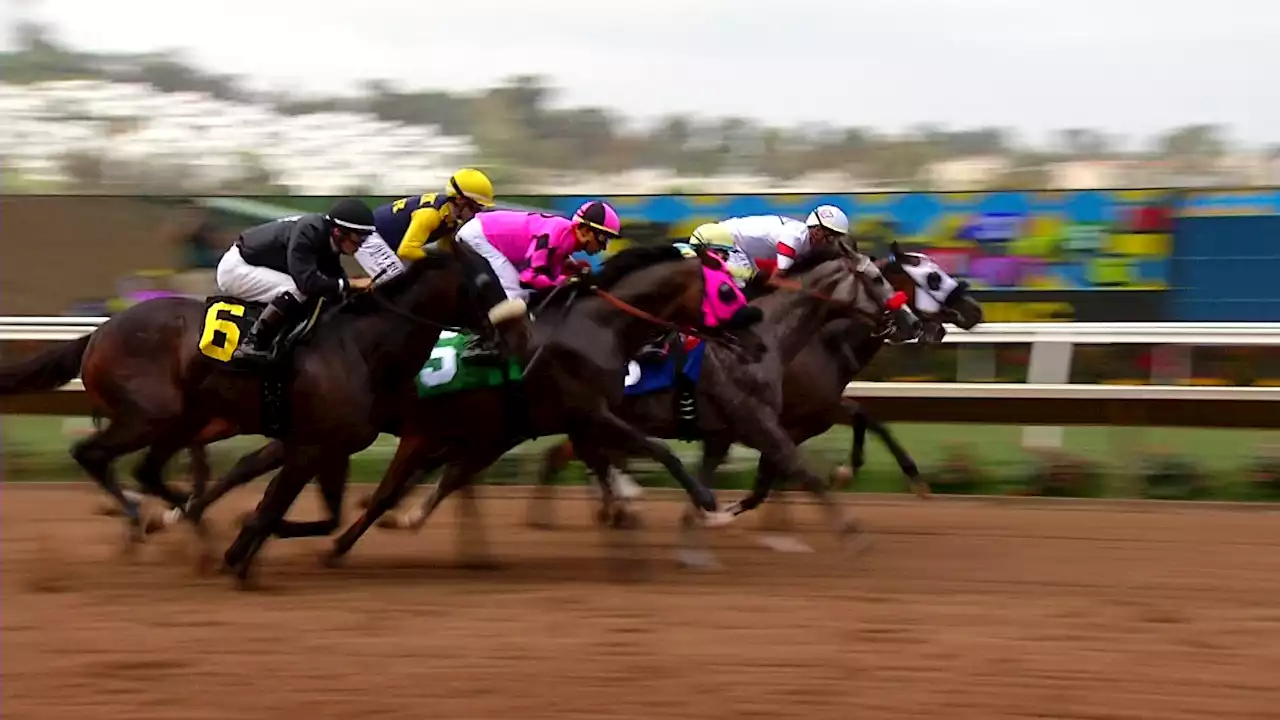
x,y
633,259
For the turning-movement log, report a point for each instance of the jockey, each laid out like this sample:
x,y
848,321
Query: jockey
x,y
717,238
288,261
759,244
773,242
407,225
531,251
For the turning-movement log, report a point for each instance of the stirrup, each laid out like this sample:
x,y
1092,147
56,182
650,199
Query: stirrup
x,y
654,351
253,354
481,348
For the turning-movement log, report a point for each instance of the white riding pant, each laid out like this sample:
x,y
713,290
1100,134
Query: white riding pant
x,y
252,283
378,259
473,235
740,265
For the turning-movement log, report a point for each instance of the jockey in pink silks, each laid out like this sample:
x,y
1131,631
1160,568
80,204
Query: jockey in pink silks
x,y
531,251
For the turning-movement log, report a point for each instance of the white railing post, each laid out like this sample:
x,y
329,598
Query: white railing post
x,y
1050,365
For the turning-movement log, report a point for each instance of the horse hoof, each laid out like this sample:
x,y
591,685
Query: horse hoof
x,y
626,520
921,489
855,541
154,524
785,544
718,519
698,560
391,522
841,477
334,559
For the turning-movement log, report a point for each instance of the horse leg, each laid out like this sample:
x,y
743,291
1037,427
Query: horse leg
x,y
97,454
900,454
694,551
776,515
762,431
201,472
150,470
283,489
606,429
627,562
555,460
473,541
332,482
411,453
259,462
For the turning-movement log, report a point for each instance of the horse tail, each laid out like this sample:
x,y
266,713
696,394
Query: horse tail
x,y
47,370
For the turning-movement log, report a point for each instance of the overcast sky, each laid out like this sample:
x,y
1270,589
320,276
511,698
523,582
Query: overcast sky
x,y
1129,66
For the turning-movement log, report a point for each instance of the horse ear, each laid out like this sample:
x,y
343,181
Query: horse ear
x,y
894,248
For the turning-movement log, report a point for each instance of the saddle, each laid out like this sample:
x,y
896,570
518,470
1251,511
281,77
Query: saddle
x,y
226,321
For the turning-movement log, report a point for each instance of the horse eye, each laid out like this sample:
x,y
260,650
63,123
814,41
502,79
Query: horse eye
x,y
934,281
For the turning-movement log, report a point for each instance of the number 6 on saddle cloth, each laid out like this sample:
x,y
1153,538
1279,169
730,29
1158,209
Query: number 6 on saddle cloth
x,y
226,321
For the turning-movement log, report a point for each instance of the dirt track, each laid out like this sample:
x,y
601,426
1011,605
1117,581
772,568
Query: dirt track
x,y
957,611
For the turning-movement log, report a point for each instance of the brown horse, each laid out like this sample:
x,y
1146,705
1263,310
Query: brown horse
x,y
746,398
145,372
583,344
813,384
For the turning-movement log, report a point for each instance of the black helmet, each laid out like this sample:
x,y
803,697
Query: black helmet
x,y
352,214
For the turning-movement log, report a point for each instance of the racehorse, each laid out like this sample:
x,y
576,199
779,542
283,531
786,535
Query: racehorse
x,y
158,372
813,383
744,399
571,380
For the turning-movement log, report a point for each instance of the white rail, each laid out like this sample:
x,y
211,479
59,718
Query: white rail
x,y
1075,333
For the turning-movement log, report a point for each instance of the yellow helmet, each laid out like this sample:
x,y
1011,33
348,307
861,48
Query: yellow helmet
x,y
712,235
473,185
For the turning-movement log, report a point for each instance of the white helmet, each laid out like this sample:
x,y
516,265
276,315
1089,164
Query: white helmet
x,y
829,217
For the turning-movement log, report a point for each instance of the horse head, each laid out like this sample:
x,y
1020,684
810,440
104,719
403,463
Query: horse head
x,y
934,294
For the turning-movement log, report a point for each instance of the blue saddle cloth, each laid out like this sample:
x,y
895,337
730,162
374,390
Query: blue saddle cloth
x,y
645,378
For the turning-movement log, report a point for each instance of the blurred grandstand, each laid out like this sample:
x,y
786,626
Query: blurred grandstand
x,y
139,132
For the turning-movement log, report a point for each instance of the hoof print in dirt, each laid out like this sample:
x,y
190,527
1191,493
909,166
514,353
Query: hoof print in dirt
x,y
1166,476
1062,474
959,473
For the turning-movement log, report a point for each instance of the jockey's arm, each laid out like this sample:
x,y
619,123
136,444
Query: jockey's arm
x,y
303,267
541,271
422,225
786,255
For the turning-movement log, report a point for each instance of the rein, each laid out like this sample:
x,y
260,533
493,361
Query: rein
x,y
382,302
636,312
797,287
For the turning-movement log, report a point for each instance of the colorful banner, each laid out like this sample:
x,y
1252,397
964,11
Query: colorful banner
x,y
1060,241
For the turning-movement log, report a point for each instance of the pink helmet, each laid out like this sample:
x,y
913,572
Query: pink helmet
x,y
597,214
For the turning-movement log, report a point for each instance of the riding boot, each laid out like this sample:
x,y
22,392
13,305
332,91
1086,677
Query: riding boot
x,y
655,350
259,344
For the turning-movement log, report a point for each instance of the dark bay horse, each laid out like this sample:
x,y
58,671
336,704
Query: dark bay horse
x,y
574,379
743,399
144,373
814,381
